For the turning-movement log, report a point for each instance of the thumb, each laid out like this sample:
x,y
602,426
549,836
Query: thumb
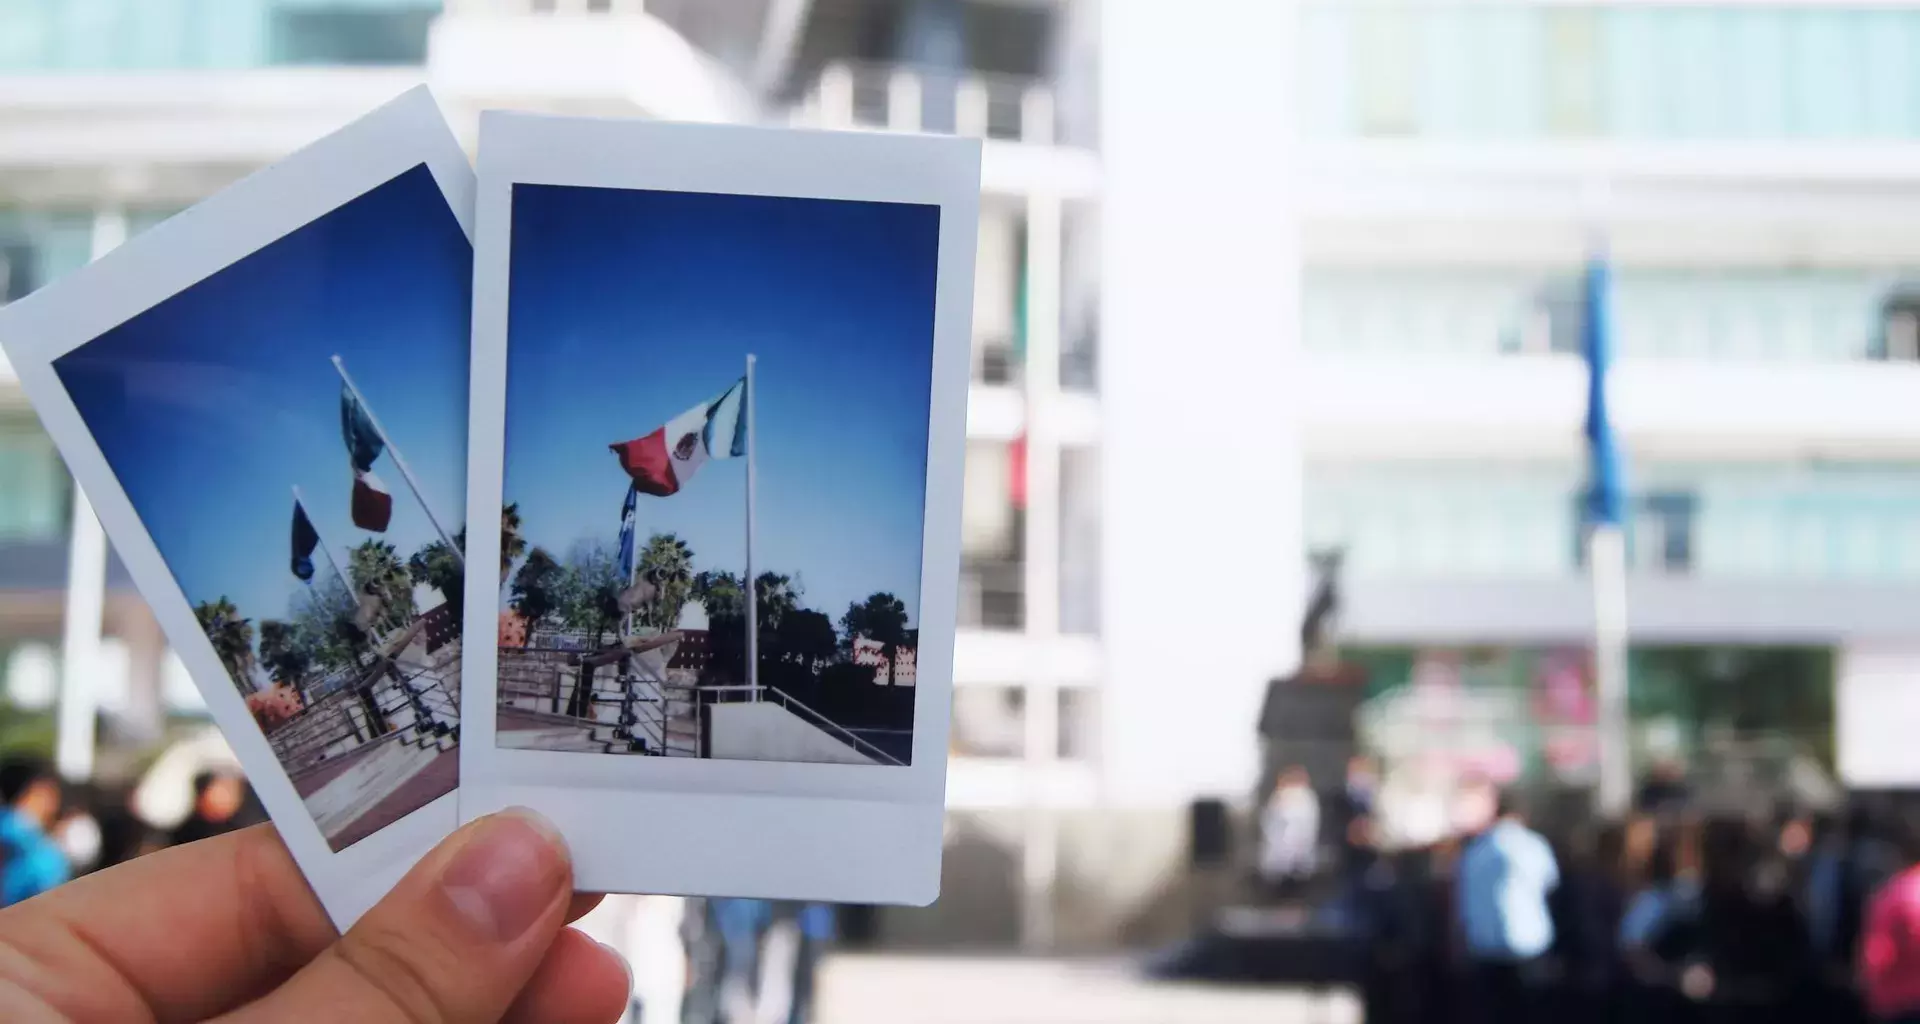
x,y
455,941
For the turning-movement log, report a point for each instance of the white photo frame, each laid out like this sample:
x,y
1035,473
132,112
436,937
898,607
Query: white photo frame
x,y
172,259
701,825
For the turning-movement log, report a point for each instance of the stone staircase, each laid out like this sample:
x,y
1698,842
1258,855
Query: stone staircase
x,y
375,772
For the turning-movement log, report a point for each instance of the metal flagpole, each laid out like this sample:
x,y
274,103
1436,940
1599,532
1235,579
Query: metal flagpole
x,y
753,598
401,462
347,581
1606,551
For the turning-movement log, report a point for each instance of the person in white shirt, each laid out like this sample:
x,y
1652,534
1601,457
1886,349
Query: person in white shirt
x,y
1289,830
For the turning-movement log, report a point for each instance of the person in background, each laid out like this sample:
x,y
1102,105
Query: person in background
x,y
1587,909
220,803
1665,792
814,923
1289,832
1890,948
1505,877
31,861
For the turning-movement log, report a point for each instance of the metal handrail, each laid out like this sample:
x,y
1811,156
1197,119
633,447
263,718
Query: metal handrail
x,y
790,703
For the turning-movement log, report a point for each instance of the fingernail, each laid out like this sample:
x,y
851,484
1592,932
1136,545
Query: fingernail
x,y
509,872
621,959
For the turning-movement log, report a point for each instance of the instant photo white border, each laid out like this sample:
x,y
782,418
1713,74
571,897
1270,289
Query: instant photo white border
x,y
159,264
849,833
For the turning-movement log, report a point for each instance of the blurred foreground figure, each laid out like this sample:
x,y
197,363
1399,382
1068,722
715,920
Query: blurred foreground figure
x,y
1890,950
1505,876
220,805
31,862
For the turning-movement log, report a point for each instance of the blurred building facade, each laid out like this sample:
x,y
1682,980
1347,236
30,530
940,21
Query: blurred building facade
x,y
1254,278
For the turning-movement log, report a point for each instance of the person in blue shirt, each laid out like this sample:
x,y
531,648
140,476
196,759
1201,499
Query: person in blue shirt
x,y
31,862
1503,881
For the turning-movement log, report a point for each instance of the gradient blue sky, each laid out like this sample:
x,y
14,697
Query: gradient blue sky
x,y
628,307
213,404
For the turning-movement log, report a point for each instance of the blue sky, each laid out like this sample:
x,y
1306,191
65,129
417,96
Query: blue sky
x,y
628,307
213,404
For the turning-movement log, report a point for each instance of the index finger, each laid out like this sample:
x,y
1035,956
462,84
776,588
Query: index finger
x,y
181,934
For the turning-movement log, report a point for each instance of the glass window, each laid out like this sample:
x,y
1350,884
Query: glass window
x,y
350,33
1386,48
1573,61
1666,71
34,491
989,721
1080,541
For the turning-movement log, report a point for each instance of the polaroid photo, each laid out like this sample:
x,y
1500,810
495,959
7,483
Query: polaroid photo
x,y
719,379
264,399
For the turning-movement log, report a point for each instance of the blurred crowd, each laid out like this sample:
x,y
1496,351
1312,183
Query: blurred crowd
x,y
697,961
1667,916
52,831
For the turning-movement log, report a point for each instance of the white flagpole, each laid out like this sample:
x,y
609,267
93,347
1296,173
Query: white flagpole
x,y
321,543
401,462
753,598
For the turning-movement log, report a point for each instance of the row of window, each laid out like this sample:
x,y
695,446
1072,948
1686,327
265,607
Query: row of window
x,y
1750,315
140,35
1507,69
1728,522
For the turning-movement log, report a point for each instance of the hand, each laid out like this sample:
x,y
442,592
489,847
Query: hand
x,y
226,928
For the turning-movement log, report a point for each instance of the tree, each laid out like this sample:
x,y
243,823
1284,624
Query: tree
x,y
881,618
589,590
284,653
667,563
775,595
439,566
536,587
232,638
804,638
720,593
323,625
512,545
378,573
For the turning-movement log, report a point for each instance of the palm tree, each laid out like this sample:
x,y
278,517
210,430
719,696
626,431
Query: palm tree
x,y
378,573
436,566
881,618
775,596
667,563
232,638
512,545
284,654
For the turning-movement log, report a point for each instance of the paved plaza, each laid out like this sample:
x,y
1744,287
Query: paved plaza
x,y
887,989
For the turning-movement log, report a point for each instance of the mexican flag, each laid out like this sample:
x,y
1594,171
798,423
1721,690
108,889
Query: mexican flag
x,y
372,502
662,462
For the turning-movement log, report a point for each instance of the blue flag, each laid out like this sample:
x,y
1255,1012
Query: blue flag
x,y
305,540
626,536
1606,499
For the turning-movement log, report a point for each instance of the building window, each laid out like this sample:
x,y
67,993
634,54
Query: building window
x,y
1079,724
1386,57
351,34
34,491
989,721
1900,328
1660,531
1573,72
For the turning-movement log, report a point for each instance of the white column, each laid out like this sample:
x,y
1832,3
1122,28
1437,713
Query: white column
x,y
903,100
80,644
1040,855
1205,574
834,96
86,593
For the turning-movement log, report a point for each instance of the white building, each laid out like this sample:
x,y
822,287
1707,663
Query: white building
x,y
1254,277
